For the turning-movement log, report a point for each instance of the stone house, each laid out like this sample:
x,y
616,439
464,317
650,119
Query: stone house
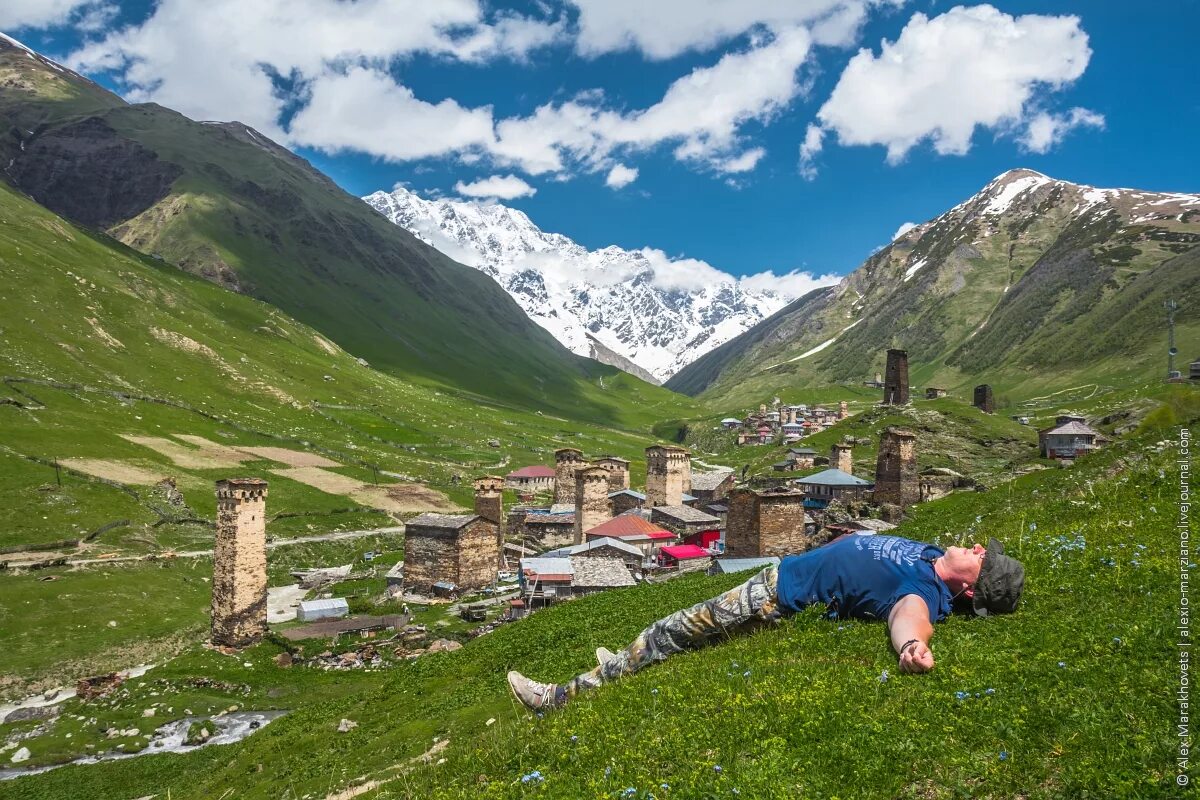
x,y
833,484
625,500
802,457
1068,440
634,529
599,573
710,487
531,480
685,558
461,549
603,547
544,529
933,393
683,520
766,523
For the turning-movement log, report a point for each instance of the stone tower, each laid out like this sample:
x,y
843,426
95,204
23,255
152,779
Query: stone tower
x,y
668,475
239,587
896,469
840,457
591,500
489,498
895,384
983,399
567,461
618,472
843,409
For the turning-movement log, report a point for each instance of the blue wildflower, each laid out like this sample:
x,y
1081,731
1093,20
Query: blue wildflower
x,y
990,691
654,691
1004,755
960,695
1033,526
717,768
883,676
977,694
1116,640
1062,664
533,777
664,786
746,674
630,792
574,739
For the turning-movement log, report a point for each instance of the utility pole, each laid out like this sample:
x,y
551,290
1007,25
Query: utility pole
x,y
1171,307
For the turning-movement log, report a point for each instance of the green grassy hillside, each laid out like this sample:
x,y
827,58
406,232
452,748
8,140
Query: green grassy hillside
x,y
125,370
1056,290
224,202
1064,699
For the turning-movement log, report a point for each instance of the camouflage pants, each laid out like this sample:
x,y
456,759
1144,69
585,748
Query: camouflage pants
x,y
739,610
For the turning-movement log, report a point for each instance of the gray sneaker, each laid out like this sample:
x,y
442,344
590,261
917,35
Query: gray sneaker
x,y
604,655
533,695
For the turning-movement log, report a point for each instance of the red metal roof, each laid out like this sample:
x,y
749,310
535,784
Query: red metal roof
x,y
682,551
626,525
536,471
660,535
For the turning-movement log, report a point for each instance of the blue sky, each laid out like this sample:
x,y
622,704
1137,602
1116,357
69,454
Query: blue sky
x,y
553,105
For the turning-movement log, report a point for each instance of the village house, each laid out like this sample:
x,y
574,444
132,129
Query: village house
x,y
603,547
1070,438
832,484
683,520
597,574
802,457
685,558
531,480
729,423
634,529
625,500
458,549
710,487
544,580
546,529
770,522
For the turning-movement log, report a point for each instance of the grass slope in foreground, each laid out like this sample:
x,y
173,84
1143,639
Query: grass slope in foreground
x,y
1064,699
101,344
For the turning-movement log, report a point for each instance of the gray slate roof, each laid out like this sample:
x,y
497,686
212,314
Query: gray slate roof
x,y
601,572
548,566
1072,429
451,521
630,492
834,477
708,481
592,544
683,514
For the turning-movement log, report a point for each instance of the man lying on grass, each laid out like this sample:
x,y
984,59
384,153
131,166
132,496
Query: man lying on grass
x,y
865,576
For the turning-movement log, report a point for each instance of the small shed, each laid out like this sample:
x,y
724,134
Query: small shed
x,y
331,608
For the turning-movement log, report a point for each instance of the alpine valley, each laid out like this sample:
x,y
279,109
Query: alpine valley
x,y
608,304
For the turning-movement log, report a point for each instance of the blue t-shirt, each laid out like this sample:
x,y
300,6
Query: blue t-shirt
x,y
864,575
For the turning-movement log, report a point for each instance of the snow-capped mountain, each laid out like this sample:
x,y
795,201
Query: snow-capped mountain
x,y
596,302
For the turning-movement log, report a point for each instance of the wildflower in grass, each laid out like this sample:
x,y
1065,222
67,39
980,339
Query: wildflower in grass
x,y
960,695
654,691
1033,526
574,739
717,769
1004,755
532,777
630,792
664,786
735,665
990,691
1062,665
608,772
746,674
883,676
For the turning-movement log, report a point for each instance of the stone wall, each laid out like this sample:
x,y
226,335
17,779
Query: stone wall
x,y
239,598
489,499
429,556
896,481
768,523
622,503
668,475
591,500
895,382
478,553
567,461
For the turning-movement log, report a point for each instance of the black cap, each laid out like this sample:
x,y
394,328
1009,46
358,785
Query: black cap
x,y
1001,580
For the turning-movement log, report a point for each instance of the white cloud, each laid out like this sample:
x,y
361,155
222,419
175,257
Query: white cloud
x,y
810,148
217,59
703,111
16,14
665,28
1046,130
789,284
904,228
944,77
621,176
501,187
366,110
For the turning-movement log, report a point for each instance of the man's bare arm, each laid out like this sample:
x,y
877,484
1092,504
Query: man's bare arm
x,y
909,620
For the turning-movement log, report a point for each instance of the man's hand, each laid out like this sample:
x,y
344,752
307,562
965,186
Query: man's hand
x,y
917,657
910,631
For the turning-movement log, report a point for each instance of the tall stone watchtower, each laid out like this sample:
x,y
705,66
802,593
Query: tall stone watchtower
x,y
984,400
843,409
668,475
896,468
567,461
840,457
895,382
489,498
239,587
766,523
591,500
618,472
